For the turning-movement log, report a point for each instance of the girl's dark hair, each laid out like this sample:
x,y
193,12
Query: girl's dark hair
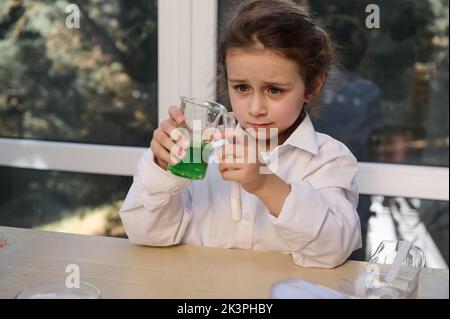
x,y
282,26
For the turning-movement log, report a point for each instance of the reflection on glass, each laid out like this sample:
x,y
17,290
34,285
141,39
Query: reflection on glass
x,y
397,98
422,222
92,84
388,101
60,201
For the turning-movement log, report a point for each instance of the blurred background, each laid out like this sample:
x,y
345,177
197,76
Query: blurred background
x,y
96,84
99,85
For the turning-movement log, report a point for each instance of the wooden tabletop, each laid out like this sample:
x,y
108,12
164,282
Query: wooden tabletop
x,y
121,269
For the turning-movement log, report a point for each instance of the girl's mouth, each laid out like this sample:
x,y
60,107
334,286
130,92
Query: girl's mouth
x,y
256,125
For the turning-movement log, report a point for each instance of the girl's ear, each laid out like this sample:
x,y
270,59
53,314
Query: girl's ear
x,y
315,88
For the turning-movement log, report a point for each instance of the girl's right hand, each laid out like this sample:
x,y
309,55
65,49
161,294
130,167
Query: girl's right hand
x,y
162,145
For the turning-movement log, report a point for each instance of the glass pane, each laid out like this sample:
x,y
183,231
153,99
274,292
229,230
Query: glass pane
x,y
389,103
389,100
96,83
423,222
60,201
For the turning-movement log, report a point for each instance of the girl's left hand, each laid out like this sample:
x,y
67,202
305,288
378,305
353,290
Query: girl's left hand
x,y
239,161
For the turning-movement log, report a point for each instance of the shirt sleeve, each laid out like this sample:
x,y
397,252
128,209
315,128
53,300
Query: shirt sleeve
x,y
318,220
156,210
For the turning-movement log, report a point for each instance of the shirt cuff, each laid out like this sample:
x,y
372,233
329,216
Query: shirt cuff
x,y
302,214
157,180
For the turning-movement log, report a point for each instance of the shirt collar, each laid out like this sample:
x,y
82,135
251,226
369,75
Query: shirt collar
x,y
304,137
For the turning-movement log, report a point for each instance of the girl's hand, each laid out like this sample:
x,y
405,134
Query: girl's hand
x,y
163,146
239,161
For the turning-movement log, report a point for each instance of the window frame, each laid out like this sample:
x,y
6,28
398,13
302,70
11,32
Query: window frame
x,y
187,32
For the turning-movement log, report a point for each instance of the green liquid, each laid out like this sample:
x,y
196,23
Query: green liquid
x,y
192,166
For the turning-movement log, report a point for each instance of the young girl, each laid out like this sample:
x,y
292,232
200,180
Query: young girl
x,y
274,61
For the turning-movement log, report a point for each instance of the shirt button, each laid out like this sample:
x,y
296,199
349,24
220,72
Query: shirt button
x,y
247,217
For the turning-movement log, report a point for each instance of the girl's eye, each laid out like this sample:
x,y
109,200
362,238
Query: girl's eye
x,y
275,91
241,88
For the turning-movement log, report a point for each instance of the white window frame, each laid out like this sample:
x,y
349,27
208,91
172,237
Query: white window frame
x,y
187,66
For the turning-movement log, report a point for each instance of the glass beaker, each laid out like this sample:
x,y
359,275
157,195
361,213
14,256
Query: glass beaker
x,y
201,119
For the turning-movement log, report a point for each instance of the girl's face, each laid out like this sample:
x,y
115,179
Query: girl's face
x,y
266,90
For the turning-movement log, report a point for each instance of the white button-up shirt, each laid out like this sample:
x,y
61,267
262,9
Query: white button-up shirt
x,y
318,223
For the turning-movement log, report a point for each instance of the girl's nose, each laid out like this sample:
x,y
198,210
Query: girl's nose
x,y
257,106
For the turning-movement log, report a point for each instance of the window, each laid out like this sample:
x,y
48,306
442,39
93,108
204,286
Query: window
x,y
388,102
62,201
97,84
392,86
94,84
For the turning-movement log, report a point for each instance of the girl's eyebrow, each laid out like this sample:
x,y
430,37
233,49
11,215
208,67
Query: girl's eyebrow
x,y
277,83
265,83
236,80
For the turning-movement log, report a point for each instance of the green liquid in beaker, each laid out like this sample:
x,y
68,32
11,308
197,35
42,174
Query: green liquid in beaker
x,y
193,165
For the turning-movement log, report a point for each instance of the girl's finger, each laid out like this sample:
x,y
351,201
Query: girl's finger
x,y
164,140
161,152
176,134
177,153
232,153
227,153
176,115
167,127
